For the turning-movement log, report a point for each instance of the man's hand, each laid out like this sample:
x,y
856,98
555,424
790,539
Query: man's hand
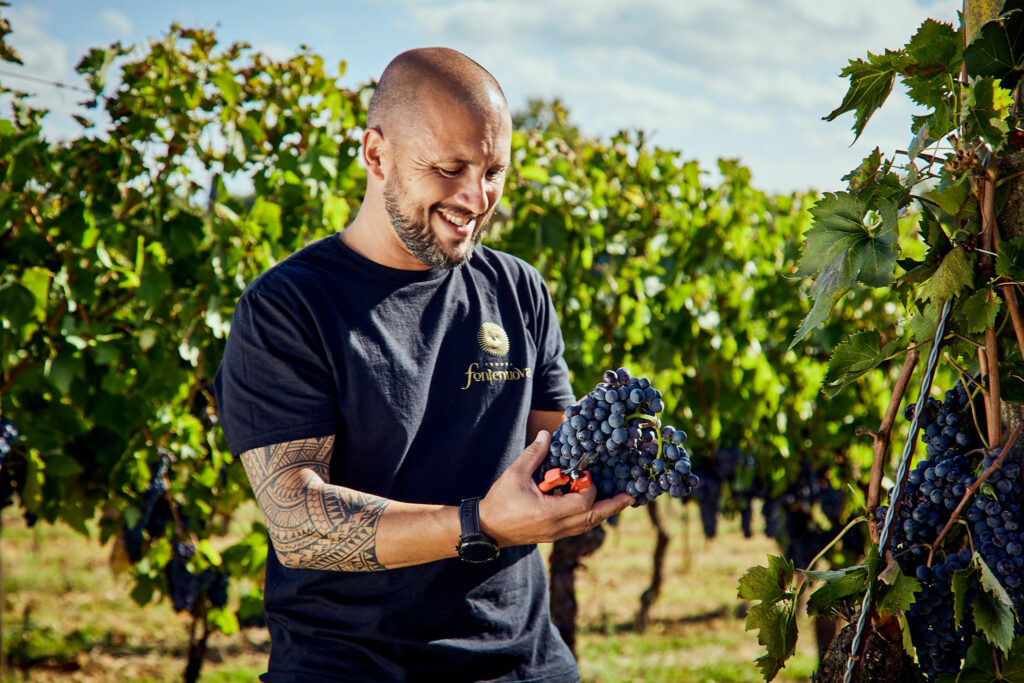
x,y
516,512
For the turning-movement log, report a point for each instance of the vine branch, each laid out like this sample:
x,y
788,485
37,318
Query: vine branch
x,y
884,436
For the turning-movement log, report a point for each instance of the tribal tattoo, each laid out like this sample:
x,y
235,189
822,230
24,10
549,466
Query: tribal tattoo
x,y
312,523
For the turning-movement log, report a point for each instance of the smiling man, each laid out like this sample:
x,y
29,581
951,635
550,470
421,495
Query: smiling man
x,y
379,387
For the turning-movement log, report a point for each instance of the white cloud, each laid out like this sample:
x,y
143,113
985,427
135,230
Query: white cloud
x,y
46,62
704,75
120,24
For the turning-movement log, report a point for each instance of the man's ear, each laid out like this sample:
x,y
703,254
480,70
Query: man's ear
x,y
373,151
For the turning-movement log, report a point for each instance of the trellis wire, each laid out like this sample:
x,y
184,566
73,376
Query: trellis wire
x,y
908,451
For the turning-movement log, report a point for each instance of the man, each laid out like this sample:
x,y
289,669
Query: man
x,y
379,387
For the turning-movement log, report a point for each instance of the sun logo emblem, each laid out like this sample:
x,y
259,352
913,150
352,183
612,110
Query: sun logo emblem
x,y
493,339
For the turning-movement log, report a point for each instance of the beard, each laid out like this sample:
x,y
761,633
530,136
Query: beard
x,y
419,238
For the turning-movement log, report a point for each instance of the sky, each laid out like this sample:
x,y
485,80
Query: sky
x,y
743,79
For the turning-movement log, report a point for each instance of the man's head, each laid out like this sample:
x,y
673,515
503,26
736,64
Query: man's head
x,y
437,146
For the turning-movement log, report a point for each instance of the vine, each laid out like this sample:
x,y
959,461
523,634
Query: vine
x,y
963,261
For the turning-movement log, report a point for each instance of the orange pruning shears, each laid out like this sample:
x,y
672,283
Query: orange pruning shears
x,y
577,476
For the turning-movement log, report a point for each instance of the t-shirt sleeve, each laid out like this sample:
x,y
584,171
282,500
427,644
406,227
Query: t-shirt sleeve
x,y
274,383
551,387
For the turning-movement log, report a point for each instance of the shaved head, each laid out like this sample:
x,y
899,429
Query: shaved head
x,y
416,75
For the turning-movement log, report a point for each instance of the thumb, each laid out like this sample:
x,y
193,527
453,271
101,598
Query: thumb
x,y
534,454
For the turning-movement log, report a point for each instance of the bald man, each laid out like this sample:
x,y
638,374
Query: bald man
x,y
379,387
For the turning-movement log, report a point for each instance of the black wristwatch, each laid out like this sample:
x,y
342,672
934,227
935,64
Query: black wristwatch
x,y
474,546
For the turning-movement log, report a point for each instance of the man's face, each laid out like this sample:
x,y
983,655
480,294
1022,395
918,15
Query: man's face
x,y
446,181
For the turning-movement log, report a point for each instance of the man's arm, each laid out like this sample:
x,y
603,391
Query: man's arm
x,y
319,525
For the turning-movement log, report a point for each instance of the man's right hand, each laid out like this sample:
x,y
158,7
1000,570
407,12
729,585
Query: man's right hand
x,y
516,512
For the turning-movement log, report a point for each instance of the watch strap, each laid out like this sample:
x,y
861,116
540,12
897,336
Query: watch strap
x,y
469,517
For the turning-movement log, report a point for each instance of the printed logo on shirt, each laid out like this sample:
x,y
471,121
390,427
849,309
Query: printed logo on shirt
x,y
494,341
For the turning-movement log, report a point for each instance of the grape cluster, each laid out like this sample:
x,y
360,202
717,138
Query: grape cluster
x,y
996,523
8,482
8,435
941,645
937,484
614,432
156,511
185,586
933,490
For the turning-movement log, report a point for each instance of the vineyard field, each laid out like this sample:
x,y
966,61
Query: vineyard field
x,y
64,604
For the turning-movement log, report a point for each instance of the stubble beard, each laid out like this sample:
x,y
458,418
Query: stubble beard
x,y
418,237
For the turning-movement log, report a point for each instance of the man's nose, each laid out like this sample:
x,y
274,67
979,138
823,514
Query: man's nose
x,y
472,193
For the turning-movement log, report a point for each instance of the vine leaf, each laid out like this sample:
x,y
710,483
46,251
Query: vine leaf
x,y
870,85
955,200
988,105
993,610
838,586
774,616
858,354
998,49
898,594
935,53
850,242
1010,262
980,311
979,668
961,594
955,272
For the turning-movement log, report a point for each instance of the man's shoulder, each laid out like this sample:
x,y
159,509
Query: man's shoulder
x,y
305,266
492,260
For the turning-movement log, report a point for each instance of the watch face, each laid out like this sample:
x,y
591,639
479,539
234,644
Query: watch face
x,y
477,551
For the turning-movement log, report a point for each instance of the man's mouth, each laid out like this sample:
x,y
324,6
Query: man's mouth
x,y
460,222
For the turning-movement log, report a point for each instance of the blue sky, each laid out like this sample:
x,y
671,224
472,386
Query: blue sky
x,y
747,79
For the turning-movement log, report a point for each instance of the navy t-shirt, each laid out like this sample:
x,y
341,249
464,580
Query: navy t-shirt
x,y
426,379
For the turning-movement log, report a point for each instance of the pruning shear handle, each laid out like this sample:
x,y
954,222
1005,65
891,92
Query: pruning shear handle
x,y
577,480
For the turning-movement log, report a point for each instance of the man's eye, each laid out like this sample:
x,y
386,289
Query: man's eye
x,y
496,173
449,172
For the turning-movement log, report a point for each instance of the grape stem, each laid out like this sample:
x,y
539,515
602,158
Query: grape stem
x,y
803,572
653,420
972,489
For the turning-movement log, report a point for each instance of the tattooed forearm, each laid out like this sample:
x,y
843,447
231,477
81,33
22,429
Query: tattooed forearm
x,y
313,524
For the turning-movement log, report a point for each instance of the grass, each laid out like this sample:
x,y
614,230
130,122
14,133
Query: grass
x,y
67,615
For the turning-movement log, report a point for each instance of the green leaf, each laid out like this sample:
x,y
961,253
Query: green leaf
x,y
775,615
998,49
979,665
955,272
934,53
870,85
986,108
228,86
534,173
899,594
993,610
831,595
17,304
962,588
858,354
957,200
849,242
866,173
1010,262
223,620
980,310
336,211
